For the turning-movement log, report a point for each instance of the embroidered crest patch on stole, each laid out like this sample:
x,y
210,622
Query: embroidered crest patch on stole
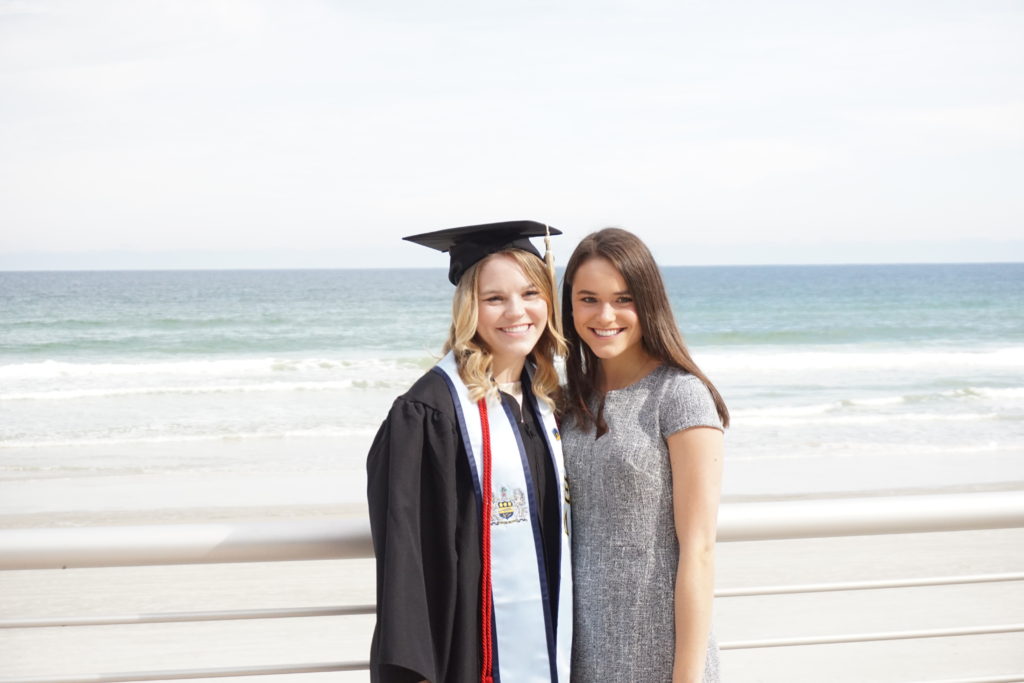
x,y
509,509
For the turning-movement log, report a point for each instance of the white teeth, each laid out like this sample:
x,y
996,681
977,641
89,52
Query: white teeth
x,y
516,329
606,333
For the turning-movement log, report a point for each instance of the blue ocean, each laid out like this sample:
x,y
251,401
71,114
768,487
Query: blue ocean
x,y
839,378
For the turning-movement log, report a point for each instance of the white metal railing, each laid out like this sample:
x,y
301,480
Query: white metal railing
x,y
345,539
123,546
863,585
184,674
212,615
167,544
869,637
353,610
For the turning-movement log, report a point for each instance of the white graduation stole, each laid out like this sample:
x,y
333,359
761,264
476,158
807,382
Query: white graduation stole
x,y
528,649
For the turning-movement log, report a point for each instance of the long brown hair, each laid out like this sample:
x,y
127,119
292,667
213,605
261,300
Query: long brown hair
x,y
474,359
661,337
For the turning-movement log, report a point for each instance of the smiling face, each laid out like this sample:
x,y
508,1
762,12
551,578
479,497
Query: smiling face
x,y
603,311
511,314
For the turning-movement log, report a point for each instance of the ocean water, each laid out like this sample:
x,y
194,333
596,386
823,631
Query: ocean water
x,y
839,378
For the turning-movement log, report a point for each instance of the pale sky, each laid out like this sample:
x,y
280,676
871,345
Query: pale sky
x,y
225,133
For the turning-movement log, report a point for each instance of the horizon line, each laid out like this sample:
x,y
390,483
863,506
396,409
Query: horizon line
x,y
442,269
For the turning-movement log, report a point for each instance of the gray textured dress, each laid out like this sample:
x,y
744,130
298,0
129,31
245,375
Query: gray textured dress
x,y
624,547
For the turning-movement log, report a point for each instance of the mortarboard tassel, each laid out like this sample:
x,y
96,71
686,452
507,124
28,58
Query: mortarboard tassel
x,y
549,260
549,257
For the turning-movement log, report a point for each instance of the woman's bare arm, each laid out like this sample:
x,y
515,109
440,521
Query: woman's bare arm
x,y
696,457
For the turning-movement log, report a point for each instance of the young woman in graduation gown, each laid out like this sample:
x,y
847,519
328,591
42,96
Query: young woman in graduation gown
x,y
474,580
643,448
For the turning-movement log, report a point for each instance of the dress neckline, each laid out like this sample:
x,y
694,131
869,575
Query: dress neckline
x,y
638,382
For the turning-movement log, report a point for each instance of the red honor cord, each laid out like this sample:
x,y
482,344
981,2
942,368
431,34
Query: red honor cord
x,y
486,669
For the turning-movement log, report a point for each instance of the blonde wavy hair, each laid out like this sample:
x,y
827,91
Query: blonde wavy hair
x,y
474,359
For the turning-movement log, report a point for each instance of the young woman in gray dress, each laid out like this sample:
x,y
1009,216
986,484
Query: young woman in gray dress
x,y
642,437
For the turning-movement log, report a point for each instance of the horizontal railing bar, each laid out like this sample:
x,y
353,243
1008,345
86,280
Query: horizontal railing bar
x,y
352,610
170,617
315,668
349,538
870,516
1011,678
865,585
870,637
172,544
181,674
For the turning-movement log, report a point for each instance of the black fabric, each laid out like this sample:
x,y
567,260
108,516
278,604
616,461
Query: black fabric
x,y
425,524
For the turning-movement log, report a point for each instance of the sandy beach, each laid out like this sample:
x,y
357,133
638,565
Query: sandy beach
x,y
65,651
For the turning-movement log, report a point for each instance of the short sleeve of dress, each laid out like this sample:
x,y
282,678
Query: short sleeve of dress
x,y
686,403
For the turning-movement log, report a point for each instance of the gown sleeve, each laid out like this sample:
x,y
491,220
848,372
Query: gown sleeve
x,y
411,492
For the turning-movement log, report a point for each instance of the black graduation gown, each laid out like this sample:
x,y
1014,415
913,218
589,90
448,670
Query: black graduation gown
x,y
425,523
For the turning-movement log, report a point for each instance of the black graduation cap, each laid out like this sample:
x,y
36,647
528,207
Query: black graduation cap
x,y
472,243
